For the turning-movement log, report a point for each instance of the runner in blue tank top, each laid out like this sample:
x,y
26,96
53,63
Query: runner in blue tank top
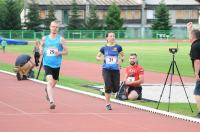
x,y
112,55
52,48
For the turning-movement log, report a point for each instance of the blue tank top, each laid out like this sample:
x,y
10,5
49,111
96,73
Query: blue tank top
x,y
111,54
50,46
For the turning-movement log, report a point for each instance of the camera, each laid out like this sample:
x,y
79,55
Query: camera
x,y
173,50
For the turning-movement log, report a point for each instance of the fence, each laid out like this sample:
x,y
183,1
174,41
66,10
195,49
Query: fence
x,y
130,33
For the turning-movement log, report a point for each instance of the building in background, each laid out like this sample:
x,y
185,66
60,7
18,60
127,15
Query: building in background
x,y
136,13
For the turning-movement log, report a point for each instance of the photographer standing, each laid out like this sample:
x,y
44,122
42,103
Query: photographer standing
x,y
194,37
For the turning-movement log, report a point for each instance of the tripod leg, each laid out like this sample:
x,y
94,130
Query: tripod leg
x,y
164,85
183,87
40,68
170,85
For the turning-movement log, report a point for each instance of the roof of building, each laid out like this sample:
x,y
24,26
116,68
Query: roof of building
x,y
172,2
118,2
83,2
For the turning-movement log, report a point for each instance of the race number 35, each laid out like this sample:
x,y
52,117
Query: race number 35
x,y
51,51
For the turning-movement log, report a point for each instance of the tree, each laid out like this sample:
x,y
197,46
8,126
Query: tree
x,y
162,20
12,13
198,1
50,17
113,20
33,18
74,21
2,14
93,21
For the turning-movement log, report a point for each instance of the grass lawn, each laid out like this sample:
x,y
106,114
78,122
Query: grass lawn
x,y
152,56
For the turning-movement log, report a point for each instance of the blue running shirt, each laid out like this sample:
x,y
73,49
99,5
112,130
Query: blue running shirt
x,y
50,46
111,54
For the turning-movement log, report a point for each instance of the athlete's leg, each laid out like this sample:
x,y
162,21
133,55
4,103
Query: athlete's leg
x,y
197,96
50,85
107,96
133,95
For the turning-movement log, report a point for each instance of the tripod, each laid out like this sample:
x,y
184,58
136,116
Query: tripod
x,y
171,68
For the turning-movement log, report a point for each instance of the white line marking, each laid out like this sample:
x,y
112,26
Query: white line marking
x,y
152,110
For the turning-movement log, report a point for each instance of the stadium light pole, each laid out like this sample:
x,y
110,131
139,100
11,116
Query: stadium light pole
x,y
87,10
143,17
25,5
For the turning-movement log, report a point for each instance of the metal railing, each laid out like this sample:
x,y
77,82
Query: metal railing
x,y
135,33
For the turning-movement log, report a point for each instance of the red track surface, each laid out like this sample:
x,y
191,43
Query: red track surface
x,y
92,72
23,108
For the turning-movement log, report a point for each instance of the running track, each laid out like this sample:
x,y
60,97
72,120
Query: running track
x,y
92,72
23,108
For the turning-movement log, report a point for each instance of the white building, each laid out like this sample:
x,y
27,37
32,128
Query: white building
x,y
135,13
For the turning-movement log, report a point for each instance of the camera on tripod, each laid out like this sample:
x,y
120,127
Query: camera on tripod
x,y
173,50
171,72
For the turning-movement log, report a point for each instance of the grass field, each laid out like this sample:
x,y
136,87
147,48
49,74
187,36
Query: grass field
x,y
152,56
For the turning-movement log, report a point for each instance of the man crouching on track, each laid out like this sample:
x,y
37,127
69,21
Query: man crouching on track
x,y
23,65
52,48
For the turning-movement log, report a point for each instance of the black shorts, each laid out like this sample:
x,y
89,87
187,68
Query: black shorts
x,y
52,71
136,89
111,80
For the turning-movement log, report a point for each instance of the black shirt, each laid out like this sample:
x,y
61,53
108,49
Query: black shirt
x,y
22,59
195,51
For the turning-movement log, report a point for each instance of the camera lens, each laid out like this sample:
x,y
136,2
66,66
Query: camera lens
x,y
173,50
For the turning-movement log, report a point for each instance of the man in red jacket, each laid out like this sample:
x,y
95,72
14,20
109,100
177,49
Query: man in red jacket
x,y
134,77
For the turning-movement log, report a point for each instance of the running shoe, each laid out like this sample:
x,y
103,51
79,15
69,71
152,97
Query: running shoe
x,y
108,107
18,76
52,105
24,77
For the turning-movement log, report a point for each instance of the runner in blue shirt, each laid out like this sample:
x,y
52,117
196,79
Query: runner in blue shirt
x,y
112,55
52,48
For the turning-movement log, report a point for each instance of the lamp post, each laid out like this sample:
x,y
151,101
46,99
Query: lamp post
x,y
87,10
143,19
25,6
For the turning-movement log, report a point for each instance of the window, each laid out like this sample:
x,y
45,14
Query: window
x,y
150,14
186,14
101,14
80,14
130,14
42,14
65,17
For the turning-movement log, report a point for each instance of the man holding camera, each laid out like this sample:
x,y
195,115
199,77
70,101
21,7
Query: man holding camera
x,y
133,79
23,65
194,37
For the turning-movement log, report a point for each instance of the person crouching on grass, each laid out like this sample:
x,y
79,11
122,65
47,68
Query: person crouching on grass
x,y
110,54
134,77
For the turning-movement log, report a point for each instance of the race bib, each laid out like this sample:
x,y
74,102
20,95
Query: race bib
x,y
131,79
51,51
111,60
